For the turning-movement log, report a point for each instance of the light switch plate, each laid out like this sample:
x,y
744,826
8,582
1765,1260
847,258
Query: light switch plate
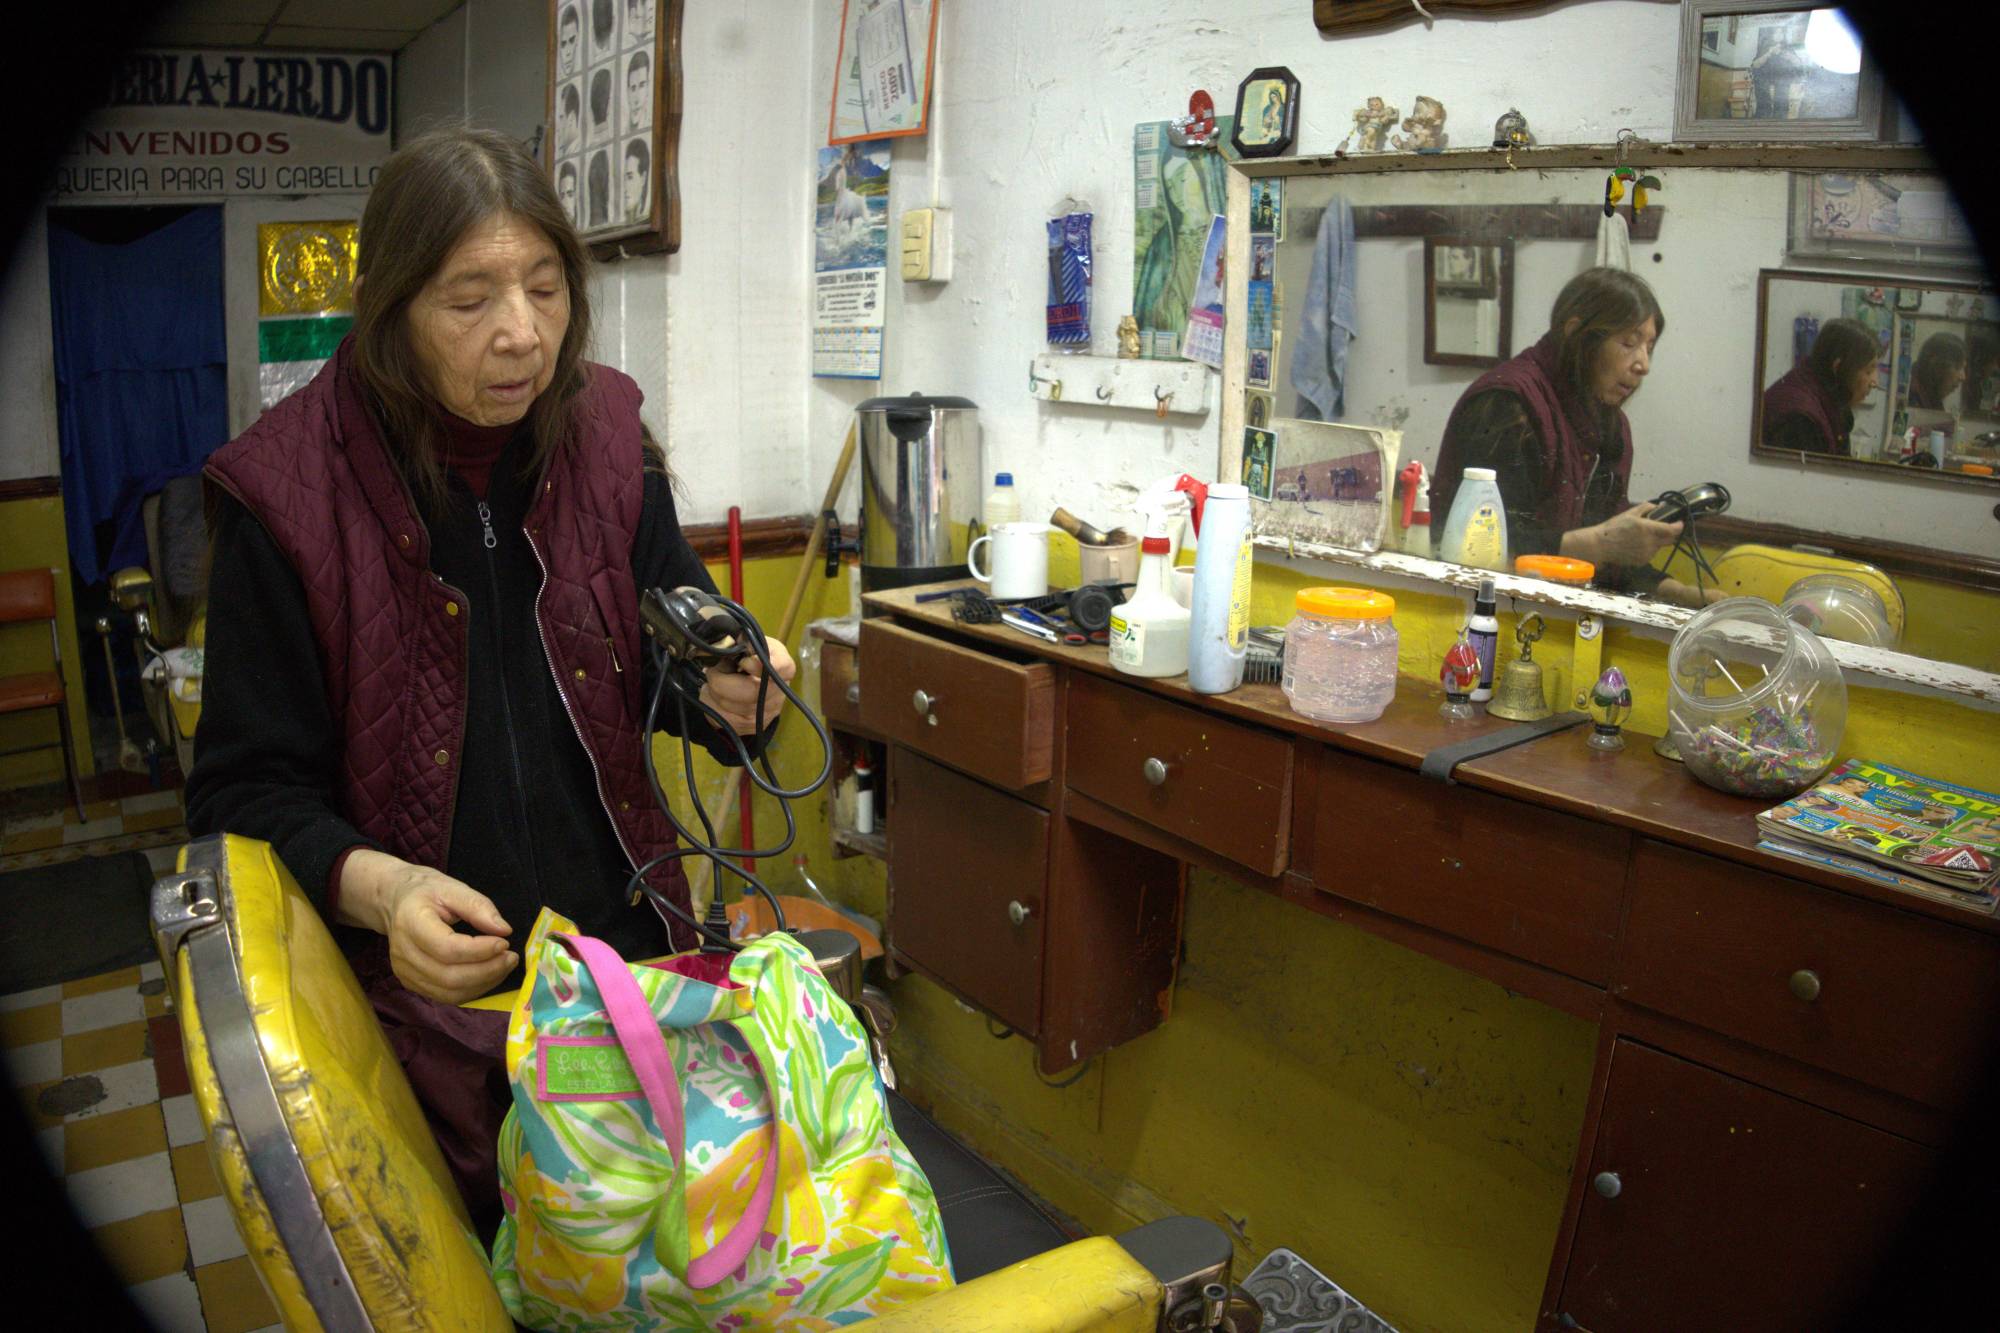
x,y
926,245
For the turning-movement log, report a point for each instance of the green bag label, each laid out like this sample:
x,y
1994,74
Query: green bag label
x,y
584,1069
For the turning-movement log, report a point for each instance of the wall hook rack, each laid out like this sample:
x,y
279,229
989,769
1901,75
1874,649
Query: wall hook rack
x,y
1176,388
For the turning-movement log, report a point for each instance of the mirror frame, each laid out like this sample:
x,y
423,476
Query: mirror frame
x,y
1759,449
1503,285
1884,665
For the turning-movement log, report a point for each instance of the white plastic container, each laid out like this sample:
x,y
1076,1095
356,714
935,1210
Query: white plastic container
x,y
1219,623
1149,634
1340,654
1475,533
864,797
1002,504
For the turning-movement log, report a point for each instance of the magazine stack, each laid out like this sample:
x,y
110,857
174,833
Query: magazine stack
x,y
1916,834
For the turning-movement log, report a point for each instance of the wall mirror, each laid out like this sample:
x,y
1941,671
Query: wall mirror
x,y
1716,249
1468,301
1854,371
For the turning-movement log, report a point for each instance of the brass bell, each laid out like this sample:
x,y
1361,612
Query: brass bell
x,y
1519,696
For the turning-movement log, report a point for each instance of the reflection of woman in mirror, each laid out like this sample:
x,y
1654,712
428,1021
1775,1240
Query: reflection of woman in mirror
x,y
1811,408
1940,369
1551,423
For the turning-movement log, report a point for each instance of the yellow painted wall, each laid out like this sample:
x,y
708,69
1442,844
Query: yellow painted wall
x,y
1404,1126
31,537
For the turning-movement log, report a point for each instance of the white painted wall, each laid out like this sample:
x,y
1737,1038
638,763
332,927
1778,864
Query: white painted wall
x,y
1037,100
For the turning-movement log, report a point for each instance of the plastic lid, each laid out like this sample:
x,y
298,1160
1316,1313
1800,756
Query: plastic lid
x,y
916,402
1345,603
1481,474
1554,568
1976,469
1156,545
1003,479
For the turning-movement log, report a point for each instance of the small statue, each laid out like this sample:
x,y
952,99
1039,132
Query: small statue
x,y
1511,131
1459,677
1372,123
1128,338
1197,128
1610,705
1425,126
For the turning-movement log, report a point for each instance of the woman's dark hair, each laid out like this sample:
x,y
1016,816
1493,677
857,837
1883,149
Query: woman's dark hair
x,y
1842,348
600,96
637,148
600,187
1941,354
1604,302
429,195
602,19
570,101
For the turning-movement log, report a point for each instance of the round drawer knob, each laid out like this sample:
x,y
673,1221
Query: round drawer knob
x,y
1156,772
1805,984
1607,1184
1017,911
854,693
923,701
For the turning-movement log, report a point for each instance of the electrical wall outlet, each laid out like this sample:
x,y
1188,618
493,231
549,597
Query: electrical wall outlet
x,y
927,245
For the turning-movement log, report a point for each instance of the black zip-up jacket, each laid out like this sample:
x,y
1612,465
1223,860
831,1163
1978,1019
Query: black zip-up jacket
x,y
529,828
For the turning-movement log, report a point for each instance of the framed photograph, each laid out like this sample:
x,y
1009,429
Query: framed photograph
x,y
1260,448
1258,409
1267,207
614,101
1759,71
1328,483
1462,269
1259,371
1267,113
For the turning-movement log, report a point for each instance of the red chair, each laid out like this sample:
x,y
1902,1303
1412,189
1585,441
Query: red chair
x,y
28,595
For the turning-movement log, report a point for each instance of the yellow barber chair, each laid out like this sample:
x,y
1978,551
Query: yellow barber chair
x,y
1769,572
350,1215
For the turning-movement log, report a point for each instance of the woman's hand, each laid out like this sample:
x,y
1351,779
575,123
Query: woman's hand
x,y
415,906
732,692
1681,594
1629,538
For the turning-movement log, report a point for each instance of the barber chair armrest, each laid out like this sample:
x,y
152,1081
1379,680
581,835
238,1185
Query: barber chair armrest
x,y
1087,1286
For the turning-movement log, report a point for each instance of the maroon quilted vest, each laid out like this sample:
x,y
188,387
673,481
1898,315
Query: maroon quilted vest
x,y
1801,393
315,472
1567,458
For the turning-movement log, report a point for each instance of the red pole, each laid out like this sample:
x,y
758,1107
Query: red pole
x,y
746,820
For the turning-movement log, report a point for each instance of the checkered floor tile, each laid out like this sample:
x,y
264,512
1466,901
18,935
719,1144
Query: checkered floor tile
x,y
44,835
99,1065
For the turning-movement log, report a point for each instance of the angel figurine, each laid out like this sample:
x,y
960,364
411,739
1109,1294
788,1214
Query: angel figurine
x,y
1128,337
1425,126
1372,123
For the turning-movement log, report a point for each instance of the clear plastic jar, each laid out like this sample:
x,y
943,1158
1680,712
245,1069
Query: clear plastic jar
x,y
1837,606
1340,654
1757,704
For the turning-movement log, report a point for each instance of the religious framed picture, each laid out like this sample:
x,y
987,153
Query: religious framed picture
x,y
1267,113
614,103
1764,71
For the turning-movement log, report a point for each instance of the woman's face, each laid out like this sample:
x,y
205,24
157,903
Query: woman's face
x,y
489,323
1622,363
1862,383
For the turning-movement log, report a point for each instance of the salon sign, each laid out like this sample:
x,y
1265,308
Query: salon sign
x,y
181,126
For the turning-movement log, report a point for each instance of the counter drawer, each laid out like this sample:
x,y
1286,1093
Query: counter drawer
x,y
1531,883
1891,999
839,685
1224,787
967,870
978,712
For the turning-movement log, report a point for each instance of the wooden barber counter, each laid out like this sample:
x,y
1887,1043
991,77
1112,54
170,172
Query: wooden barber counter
x,y
1780,1048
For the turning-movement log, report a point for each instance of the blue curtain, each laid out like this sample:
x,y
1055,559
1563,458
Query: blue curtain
x,y
141,375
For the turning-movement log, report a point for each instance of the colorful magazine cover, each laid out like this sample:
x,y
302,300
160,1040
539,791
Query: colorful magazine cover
x,y
1921,826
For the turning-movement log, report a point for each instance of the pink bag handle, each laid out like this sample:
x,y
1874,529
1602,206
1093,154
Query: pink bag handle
x,y
639,1034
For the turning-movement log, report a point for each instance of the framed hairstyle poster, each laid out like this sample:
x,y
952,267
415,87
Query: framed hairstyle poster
x,y
615,105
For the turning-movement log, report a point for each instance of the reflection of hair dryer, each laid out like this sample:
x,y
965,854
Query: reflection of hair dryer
x,y
1416,508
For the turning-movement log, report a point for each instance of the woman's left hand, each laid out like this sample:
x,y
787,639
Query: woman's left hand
x,y
732,691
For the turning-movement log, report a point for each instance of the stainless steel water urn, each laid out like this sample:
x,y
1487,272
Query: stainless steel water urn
x,y
920,489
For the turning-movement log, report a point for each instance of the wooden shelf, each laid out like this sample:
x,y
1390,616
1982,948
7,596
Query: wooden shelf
x,y
861,844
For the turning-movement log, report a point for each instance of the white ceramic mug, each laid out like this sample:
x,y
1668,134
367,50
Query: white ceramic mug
x,y
1020,565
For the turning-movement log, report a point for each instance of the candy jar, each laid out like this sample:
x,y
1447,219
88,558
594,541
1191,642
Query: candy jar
x,y
1459,677
1757,704
1610,705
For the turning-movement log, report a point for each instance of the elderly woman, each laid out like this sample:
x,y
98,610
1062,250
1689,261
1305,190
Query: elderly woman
x,y
425,669
1810,407
1551,424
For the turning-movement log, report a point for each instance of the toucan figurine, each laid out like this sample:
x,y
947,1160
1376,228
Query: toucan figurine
x,y
1614,189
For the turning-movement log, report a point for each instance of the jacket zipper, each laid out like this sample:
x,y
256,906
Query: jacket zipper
x,y
577,726
506,699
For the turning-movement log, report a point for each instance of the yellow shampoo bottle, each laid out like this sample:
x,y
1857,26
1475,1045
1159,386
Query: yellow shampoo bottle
x,y
1475,534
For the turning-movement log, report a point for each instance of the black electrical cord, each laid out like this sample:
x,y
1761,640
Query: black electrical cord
x,y
686,679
